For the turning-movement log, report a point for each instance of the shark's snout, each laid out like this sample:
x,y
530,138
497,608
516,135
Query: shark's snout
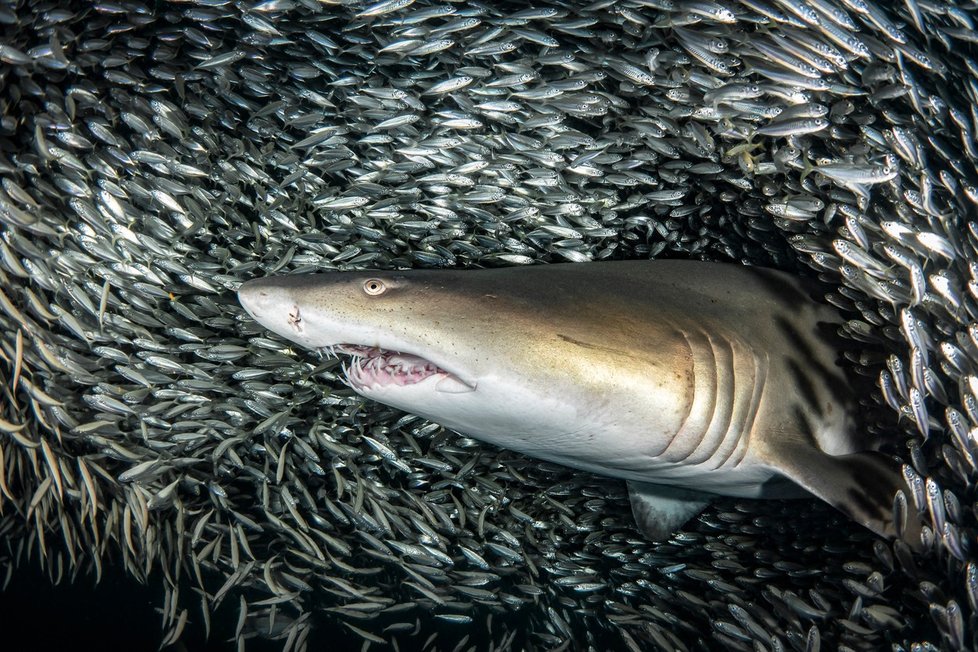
x,y
271,306
250,296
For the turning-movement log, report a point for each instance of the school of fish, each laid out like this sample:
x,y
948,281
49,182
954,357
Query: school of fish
x,y
154,156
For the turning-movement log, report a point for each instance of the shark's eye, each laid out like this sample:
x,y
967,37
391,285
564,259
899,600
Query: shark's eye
x,y
374,286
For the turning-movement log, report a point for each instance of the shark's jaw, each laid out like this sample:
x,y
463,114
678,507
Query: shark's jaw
x,y
370,369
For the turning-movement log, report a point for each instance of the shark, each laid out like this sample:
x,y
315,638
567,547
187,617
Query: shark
x,y
687,379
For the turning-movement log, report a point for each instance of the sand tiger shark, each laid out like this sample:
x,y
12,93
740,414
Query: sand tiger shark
x,y
686,379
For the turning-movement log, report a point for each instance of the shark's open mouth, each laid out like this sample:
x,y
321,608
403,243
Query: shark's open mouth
x,y
372,367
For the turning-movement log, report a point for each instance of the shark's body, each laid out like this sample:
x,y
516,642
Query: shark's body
x,y
684,378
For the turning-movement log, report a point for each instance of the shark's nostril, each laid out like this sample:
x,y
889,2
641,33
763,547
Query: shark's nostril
x,y
295,319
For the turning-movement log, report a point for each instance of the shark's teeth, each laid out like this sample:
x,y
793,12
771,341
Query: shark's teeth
x,y
371,367
345,379
329,352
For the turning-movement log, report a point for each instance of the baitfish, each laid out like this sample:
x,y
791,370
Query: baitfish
x,y
686,379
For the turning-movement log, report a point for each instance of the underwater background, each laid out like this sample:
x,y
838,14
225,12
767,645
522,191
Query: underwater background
x,y
218,482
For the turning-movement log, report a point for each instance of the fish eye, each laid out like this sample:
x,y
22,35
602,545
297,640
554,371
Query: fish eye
x,y
374,286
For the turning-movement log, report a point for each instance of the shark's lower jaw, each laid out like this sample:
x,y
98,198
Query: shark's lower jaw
x,y
372,368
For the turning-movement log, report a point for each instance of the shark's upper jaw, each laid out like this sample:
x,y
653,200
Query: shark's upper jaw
x,y
373,368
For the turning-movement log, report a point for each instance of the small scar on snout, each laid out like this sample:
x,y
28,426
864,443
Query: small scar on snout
x,y
295,320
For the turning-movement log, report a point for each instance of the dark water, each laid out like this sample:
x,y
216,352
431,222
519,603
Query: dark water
x,y
114,615
118,614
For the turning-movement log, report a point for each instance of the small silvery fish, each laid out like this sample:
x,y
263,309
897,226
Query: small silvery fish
x,y
857,174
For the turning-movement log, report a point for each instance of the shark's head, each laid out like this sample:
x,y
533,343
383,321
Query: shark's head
x,y
428,342
386,322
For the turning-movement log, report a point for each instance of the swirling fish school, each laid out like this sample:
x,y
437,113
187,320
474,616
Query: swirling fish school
x,y
154,156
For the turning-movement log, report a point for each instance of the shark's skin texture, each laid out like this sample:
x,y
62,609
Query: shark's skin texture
x,y
684,378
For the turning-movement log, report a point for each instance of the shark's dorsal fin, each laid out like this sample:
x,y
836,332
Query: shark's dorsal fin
x,y
860,485
660,510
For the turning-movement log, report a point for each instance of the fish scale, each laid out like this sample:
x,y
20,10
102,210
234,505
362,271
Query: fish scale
x,y
217,94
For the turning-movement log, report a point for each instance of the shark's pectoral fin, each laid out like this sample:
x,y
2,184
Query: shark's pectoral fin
x,y
660,510
861,485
